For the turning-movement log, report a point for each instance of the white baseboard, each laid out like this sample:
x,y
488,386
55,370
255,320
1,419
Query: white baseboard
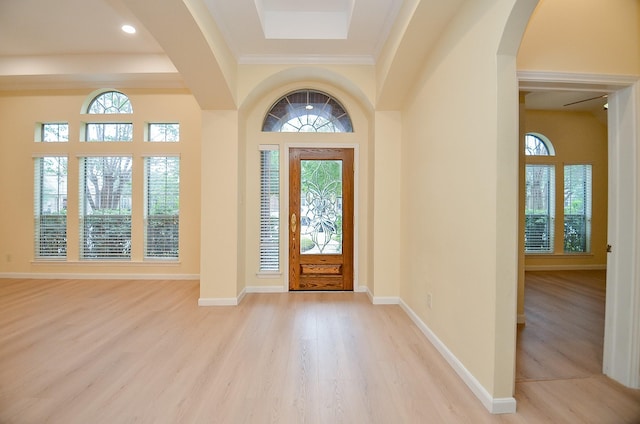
x,y
380,300
493,405
265,289
218,301
565,267
389,300
100,276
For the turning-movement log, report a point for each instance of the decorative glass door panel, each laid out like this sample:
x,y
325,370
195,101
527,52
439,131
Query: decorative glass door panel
x,y
320,219
320,207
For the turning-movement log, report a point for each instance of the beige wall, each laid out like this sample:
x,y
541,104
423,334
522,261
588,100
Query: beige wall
x,y
590,36
253,137
459,229
578,138
19,114
437,180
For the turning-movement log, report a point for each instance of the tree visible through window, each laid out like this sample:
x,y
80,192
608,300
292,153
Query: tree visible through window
x,y
105,202
50,207
110,102
162,176
298,111
539,198
105,186
577,208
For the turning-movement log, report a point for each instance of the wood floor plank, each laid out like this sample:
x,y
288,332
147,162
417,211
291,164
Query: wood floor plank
x,y
100,351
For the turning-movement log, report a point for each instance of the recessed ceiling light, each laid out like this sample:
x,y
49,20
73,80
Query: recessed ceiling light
x,y
128,29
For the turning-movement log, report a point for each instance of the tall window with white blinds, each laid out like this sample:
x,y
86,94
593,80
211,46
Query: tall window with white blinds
x,y
162,207
105,207
577,208
539,208
269,209
50,207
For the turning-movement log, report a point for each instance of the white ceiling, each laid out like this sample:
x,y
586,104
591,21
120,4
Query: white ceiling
x,y
310,30
74,27
69,27
75,43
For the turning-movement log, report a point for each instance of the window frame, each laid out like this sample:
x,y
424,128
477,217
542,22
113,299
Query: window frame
x,y
587,200
41,137
550,214
108,222
307,110
269,242
59,230
175,217
149,132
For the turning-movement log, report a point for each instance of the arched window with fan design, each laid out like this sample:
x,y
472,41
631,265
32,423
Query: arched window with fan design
x,y
307,111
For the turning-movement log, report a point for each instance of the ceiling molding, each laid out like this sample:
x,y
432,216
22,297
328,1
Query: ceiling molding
x,y
567,81
306,60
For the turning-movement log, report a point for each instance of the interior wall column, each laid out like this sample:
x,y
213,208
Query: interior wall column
x,y
219,209
387,200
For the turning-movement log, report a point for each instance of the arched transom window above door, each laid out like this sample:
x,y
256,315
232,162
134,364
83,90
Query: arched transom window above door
x,y
307,111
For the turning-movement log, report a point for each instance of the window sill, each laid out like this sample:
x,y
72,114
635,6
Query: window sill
x,y
102,262
558,255
269,274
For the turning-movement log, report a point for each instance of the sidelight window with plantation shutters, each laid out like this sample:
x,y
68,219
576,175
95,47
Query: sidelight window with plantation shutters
x,y
269,209
162,207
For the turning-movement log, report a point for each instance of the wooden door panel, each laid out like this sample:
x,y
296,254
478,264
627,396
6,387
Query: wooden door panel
x,y
320,219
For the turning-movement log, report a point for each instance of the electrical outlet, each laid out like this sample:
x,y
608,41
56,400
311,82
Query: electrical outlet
x,y
429,300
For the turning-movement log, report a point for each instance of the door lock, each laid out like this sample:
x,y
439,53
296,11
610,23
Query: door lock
x,y
294,222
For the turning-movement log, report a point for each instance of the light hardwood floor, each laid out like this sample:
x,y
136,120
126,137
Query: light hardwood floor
x,y
143,351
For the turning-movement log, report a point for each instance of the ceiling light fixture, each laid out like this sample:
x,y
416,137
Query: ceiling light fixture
x,y
308,107
129,29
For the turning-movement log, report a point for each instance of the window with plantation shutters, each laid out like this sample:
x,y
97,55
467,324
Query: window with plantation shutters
x,y
577,208
539,208
269,209
105,207
106,174
50,207
162,207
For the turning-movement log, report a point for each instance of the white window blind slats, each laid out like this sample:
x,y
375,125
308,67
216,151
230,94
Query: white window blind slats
x,y
162,213
577,208
50,207
539,208
105,207
269,209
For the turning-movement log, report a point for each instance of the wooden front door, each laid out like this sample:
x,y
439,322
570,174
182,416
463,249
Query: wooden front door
x,y
320,219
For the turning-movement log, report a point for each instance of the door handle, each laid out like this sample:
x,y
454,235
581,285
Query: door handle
x,y
294,222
